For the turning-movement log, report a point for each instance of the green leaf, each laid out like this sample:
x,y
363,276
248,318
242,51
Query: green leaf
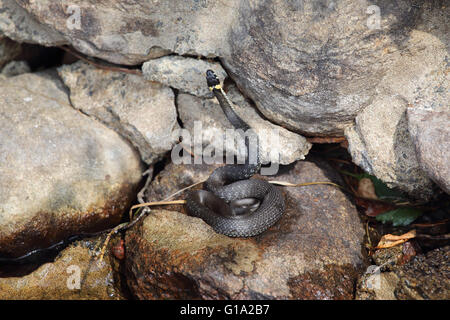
x,y
399,217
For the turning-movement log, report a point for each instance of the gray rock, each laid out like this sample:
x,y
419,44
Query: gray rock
x,y
313,252
8,50
141,111
128,33
20,25
430,132
184,74
379,141
62,173
274,139
14,68
312,66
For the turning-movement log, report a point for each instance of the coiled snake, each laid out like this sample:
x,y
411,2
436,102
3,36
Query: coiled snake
x,y
230,203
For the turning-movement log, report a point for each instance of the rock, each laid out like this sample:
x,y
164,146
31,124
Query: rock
x,y
426,276
62,173
14,68
16,23
380,140
430,132
276,143
127,33
8,50
312,67
380,143
141,111
76,274
184,74
313,252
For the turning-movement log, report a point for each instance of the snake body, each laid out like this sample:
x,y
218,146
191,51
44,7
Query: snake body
x,y
230,203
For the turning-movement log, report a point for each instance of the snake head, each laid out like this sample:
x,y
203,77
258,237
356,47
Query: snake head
x,y
211,79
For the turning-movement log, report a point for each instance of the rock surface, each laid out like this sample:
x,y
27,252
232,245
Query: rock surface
x,y
182,73
62,173
277,144
426,276
381,133
430,132
76,274
124,33
141,111
313,252
380,141
312,66
20,25
14,68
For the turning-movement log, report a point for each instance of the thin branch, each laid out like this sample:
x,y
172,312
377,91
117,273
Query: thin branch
x,y
99,65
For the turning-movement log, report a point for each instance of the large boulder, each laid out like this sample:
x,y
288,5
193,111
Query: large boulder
x,y
62,173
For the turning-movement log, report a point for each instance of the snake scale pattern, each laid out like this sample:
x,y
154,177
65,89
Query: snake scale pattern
x,y
232,203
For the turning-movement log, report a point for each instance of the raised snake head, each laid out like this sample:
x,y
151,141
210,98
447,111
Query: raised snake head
x,y
211,79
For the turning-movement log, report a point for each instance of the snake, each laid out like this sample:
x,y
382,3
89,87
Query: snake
x,y
230,202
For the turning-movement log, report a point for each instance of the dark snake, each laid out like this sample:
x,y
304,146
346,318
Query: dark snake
x,y
232,203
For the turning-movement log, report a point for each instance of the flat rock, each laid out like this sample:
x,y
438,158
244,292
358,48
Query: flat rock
x,y
175,177
183,73
76,274
430,132
141,111
205,117
62,173
313,252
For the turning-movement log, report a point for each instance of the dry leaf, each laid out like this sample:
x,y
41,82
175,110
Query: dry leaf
x,y
390,240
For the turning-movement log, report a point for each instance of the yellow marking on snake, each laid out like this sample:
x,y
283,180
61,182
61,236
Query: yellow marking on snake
x,y
217,86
